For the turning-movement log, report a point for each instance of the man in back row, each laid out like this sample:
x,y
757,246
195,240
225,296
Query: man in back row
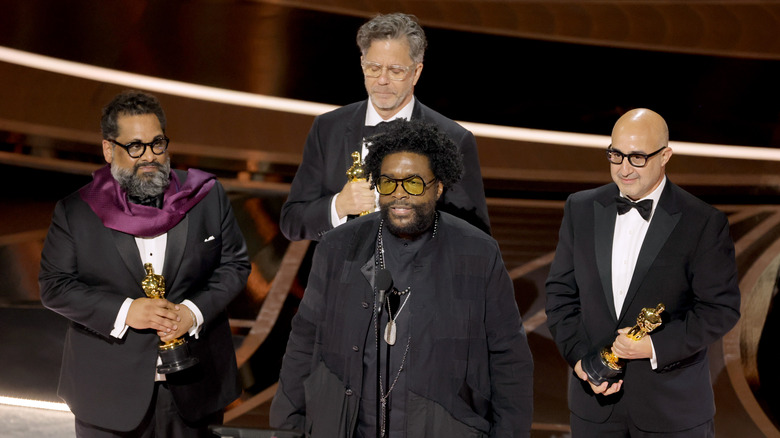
x,y
392,48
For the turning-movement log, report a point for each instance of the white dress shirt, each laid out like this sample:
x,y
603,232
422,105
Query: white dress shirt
x,y
630,232
152,250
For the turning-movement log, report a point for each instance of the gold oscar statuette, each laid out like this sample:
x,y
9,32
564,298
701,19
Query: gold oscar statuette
x,y
175,354
356,173
603,365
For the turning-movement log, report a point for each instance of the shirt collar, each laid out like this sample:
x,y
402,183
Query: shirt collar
x,y
373,118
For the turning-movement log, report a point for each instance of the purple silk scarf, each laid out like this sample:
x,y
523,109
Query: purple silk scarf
x,y
110,203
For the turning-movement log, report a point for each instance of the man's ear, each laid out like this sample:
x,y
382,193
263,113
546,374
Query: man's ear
x,y
666,155
417,72
108,151
439,189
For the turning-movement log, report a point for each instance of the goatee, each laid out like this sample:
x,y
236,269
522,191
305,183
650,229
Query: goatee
x,y
148,185
422,221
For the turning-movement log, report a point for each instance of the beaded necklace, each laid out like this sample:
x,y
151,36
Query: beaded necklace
x,y
390,329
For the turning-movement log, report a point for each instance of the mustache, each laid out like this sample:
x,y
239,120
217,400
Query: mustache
x,y
397,203
139,164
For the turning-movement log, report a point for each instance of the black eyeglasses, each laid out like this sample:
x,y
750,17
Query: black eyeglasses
x,y
636,159
413,185
137,149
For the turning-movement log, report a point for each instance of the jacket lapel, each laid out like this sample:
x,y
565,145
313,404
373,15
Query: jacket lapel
x,y
360,254
174,251
128,251
604,212
665,218
417,110
353,135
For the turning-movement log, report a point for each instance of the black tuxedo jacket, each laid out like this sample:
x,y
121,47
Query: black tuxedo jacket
x,y
87,272
327,156
686,262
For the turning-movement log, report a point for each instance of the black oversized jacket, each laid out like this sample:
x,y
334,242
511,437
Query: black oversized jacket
x,y
470,368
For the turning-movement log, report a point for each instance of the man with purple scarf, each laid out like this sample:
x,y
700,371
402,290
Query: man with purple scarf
x,y
137,211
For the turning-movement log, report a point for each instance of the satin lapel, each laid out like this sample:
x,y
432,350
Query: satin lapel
x,y
604,224
353,134
128,251
361,253
366,291
369,271
174,251
661,227
417,110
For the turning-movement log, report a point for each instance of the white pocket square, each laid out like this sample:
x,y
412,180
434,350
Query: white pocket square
x,y
209,239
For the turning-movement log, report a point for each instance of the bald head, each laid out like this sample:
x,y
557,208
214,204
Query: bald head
x,y
640,132
642,125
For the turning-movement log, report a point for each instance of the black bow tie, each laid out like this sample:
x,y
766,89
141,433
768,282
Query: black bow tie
x,y
643,207
369,131
153,201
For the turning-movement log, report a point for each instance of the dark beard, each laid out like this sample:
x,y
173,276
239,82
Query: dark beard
x,y
424,216
142,187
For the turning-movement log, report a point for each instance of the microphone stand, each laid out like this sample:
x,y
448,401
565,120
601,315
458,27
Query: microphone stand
x,y
386,413
383,281
379,419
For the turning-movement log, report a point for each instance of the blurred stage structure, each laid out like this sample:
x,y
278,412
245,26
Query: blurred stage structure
x,y
227,74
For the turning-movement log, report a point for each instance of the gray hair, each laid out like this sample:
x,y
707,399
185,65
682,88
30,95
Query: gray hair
x,y
391,27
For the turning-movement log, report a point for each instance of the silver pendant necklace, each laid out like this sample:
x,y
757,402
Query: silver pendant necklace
x,y
390,330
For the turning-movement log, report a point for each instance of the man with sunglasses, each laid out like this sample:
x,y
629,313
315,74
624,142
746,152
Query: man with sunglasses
x,y
392,48
634,244
137,212
408,326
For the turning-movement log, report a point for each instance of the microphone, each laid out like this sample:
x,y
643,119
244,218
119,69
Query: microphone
x,y
384,281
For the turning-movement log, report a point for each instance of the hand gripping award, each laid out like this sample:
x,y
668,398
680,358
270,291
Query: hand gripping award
x,y
603,365
175,355
356,173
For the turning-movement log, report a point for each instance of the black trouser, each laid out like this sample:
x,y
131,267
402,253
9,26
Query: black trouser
x,y
620,425
162,420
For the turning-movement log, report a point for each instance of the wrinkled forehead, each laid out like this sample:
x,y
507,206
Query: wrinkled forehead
x,y
637,138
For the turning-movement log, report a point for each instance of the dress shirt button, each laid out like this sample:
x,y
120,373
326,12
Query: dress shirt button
x,y
348,392
364,304
355,348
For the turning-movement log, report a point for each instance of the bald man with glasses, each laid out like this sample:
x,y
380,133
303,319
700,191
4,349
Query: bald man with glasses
x,y
321,197
624,248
